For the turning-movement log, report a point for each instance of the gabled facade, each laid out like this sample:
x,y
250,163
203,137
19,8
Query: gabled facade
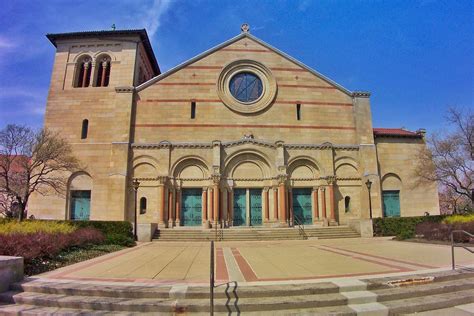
x,y
241,135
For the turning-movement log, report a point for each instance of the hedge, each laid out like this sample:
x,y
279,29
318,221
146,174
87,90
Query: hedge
x,y
402,227
116,232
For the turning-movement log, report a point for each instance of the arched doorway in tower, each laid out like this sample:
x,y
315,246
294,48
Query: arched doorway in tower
x,y
80,188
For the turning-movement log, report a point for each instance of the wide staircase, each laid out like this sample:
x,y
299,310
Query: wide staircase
x,y
415,293
249,234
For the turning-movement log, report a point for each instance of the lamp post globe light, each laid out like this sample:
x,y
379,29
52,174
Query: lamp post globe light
x,y
135,185
368,183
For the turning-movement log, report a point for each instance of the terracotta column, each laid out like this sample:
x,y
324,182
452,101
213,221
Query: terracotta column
x,y
216,204
265,202
178,208
204,204
229,207
104,71
170,207
323,202
275,204
86,71
161,210
290,207
315,205
211,205
331,202
282,203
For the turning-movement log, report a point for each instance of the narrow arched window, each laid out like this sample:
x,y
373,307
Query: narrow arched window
x,y
347,204
85,129
193,109
298,112
143,205
103,71
83,72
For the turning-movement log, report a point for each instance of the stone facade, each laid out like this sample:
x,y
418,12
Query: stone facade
x,y
305,146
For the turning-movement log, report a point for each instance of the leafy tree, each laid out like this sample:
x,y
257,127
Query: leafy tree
x,y
33,161
449,159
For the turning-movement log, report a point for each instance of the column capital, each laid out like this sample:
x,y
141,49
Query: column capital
x,y
216,179
281,178
322,188
330,180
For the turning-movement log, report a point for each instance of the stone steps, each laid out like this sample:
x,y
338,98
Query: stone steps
x,y
337,297
181,234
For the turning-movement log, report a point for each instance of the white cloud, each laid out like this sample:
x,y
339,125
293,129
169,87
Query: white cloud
x,y
152,16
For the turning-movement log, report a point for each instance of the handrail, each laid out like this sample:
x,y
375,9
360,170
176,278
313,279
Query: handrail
x,y
460,246
300,224
218,233
211,281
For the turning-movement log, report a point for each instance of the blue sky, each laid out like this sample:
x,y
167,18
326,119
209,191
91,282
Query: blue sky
x,y
416,57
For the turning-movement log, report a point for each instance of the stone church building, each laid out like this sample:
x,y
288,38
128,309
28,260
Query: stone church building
x,y
240,135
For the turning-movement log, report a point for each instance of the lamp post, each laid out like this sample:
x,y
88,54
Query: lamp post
x,y
368,183
135,184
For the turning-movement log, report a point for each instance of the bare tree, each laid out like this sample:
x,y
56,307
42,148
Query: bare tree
x,y
33,161
449,158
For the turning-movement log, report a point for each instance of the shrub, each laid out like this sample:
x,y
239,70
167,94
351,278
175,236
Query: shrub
x,y
32,226
442,231
42,244
453,219
402,227
116,232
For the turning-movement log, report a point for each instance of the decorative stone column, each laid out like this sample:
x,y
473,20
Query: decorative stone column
x,y
315,205
161,209
230,208
211,205
178,207
104,65
290,207
275,203
87,64
216,204
204,205
323,202
282,205
170,207
266,206
332,210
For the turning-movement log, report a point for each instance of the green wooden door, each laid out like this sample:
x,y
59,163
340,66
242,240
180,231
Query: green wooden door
x,y
240,207
302,205
191,210
391,203
255,207
80,205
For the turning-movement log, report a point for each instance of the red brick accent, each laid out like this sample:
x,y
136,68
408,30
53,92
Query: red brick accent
x,y
178,100
185,84
245,50
221,267
289,69
244,266
248,126
204,67
306,86
313,103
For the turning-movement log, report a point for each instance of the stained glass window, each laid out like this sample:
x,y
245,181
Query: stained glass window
x,y
246,87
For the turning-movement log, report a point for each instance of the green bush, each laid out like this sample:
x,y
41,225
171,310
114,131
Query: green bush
x,y
459,219
116,232
401,227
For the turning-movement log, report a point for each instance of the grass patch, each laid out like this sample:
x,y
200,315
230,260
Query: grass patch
x,y
67,257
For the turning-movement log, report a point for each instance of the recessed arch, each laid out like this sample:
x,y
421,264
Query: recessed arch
x,y
144,170
247,164
190,167
82,76
391,181
303,167
103,65
80,181
347,170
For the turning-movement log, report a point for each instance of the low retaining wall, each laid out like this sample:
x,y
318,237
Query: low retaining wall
x,y
363,226
146,232
11,271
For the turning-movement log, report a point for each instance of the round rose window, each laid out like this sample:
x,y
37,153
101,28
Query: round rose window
x,y
246,87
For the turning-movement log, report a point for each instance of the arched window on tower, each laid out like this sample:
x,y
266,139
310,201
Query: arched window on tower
x,y
83,72
103,71
143,205
85,129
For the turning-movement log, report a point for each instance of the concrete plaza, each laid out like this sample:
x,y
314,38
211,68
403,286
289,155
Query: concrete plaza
x,y
263,262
